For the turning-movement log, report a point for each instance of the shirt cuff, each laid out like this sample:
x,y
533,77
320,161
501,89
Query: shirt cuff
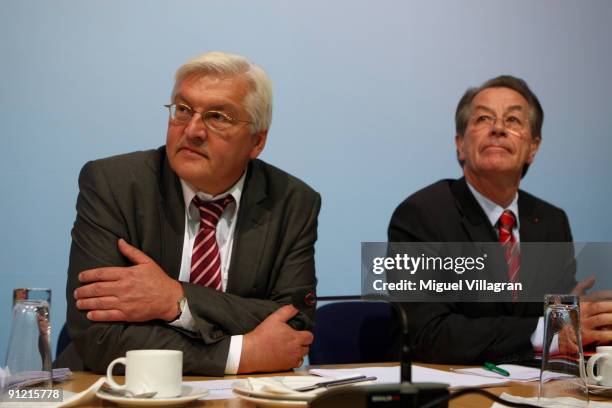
x,y
185,320
233,357
537,338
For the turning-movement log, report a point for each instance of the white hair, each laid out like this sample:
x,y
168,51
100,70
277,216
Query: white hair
x,y
258,102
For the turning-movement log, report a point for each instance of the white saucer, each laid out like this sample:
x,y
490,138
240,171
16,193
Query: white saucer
x,y
272,403
601,390
242,388
188,394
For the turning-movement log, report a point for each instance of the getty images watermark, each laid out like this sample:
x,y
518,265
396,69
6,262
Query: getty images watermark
x,y
458,271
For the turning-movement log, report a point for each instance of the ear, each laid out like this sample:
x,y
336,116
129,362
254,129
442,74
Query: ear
x,y
459,139
534,146
259,142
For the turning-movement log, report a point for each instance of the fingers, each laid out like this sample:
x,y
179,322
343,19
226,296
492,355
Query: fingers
x,y
597,337
132,253
588,309
305,337
284,313
100,274
598,295
106,316
584,285
599,320
98,303
96,289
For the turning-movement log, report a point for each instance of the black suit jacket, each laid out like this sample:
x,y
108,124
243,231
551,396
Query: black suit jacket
x,y
470,333
138,197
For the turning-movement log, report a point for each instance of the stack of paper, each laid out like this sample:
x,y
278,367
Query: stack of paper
x,y
419,374
8,381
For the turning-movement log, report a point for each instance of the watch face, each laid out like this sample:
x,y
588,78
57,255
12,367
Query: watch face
x,y
182,303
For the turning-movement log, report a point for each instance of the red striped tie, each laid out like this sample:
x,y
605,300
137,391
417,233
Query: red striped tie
x,y
512,251
205,258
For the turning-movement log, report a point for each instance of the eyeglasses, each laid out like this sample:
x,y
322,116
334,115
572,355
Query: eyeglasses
x,y
213,120
513,123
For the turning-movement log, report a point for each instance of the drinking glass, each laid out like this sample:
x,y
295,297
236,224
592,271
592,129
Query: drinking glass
x,y
28,357
562,376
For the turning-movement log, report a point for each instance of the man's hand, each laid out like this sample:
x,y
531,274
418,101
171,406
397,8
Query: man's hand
x,y
273,345
132,294
595,313
581,287
596,322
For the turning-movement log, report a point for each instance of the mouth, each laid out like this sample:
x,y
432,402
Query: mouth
x,y
496,148
191,152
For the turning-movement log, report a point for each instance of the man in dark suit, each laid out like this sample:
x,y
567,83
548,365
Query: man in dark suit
x,y
195,246
498,129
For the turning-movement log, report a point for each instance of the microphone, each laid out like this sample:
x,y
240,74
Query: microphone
x,y
306,298
404,394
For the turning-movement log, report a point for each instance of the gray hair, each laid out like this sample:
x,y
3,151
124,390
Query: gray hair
x,y
258,102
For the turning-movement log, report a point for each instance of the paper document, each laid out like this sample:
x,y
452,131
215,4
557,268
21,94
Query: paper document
x,y
517,373
561,402
419,374
219,389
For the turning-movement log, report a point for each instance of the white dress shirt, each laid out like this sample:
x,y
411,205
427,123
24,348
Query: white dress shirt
x,y
493,211
225,240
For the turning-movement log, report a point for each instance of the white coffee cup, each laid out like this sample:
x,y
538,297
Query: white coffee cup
x,y
603,358
150,370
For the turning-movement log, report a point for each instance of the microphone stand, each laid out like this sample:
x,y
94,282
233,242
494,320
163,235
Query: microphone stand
x,y
405,351
404,394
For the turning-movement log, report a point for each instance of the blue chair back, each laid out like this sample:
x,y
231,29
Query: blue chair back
x,y
352,332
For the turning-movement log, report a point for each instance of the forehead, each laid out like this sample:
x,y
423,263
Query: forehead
x,y
499,99
212,89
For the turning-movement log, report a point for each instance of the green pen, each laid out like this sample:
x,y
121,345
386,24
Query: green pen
x,y
496,369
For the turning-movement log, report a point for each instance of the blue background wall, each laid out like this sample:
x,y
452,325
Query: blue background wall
x,y
365,93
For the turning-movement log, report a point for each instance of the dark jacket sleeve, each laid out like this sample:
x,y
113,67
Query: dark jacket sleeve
x,y
98,226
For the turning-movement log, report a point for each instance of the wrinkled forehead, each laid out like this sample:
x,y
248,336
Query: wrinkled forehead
x,y
499,99
238,83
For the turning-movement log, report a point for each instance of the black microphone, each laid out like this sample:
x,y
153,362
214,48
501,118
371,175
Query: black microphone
x,y
404,394
306,298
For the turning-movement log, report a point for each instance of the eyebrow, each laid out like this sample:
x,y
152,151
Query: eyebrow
x,y
218,107
509,109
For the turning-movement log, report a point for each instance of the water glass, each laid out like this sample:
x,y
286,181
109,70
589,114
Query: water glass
x,y
28,357
563,372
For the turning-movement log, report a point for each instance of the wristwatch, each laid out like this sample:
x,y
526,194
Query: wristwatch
x,y
181,304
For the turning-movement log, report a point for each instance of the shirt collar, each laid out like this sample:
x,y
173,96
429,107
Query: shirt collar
x,y
235,191
493,210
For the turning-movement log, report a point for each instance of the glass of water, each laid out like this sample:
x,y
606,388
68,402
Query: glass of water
x,y
28,357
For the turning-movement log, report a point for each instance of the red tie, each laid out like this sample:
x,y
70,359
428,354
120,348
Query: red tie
x,y
511,248
205,258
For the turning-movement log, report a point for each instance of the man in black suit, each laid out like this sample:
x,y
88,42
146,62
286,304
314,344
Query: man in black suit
x,y
498,133
196,246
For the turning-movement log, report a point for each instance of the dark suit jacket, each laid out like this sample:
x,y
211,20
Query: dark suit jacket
x,y
138,197
470,333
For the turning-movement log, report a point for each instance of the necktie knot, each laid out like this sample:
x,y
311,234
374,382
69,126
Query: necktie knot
x,y
507,221
512,253
211,211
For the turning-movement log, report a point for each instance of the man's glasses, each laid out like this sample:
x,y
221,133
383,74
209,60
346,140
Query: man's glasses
x,y
213,120
513,123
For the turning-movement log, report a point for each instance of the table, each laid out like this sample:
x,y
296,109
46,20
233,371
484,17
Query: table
x,y
82,380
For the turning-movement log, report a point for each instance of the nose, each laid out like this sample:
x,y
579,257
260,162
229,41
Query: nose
x,y
195,130
498,128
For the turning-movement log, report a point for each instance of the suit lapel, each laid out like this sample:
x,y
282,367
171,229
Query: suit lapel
x,y
172,220
532,230
479,229
474,220
250,234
